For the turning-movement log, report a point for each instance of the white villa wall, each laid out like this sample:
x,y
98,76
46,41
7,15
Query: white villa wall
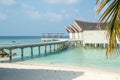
x,y
72,35
76,35
80,35
97,36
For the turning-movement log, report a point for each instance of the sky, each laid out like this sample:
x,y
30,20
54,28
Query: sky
x,y
34,17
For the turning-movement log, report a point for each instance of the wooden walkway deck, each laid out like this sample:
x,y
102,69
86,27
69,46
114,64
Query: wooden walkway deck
x,y
58,45
14,46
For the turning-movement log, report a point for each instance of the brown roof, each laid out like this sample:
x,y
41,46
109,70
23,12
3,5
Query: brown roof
x,y
69,29
76,30
89,25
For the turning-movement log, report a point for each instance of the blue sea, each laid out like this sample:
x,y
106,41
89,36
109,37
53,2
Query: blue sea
x,y
73,56
18,39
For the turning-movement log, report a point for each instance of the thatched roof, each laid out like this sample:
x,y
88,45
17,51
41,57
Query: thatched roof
x,y
69,29
74,28
89,25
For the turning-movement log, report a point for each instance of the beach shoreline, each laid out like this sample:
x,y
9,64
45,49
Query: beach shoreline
x,y
85,73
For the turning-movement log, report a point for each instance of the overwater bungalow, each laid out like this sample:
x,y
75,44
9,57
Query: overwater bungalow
x,y
87,33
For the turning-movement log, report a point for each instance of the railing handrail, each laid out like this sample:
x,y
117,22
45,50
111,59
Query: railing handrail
x,y
7,46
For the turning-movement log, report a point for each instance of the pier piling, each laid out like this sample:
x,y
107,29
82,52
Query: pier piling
x,y
10,56
22,53
39,50
50,48
45,49
31,51
54,47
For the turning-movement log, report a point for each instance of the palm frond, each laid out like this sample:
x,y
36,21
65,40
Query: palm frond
x,y
112,17
102,5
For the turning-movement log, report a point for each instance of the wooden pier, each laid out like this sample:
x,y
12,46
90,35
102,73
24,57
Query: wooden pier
x,y
58,45
52,35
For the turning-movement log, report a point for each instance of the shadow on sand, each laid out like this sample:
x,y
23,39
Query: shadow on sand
x,y
37,74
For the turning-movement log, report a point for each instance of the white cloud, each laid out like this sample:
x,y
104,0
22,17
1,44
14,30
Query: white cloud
x,y
63,1
27,7
71,14
48,16
66,14
32,13
3,16
52,16
7,2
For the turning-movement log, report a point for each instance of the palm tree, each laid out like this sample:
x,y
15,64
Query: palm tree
x,y
111,16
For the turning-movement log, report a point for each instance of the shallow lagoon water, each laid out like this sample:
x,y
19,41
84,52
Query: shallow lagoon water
x,y
89,57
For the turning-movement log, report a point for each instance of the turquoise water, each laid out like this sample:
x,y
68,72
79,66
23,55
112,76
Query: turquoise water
x,y
94,58
89,57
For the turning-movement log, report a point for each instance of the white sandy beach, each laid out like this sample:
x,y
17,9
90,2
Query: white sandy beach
x,y
17,71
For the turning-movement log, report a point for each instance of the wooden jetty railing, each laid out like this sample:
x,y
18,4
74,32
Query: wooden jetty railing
x,y
58,45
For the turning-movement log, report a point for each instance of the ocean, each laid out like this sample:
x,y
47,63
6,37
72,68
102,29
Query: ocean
x,y
73,56
18,39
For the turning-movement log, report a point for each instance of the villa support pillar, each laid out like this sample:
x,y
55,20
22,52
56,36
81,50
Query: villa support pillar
x,y
31,51
22,53
39,50
54,47
50,48
61,46
10,55
57,46
84,45
45,48
104,45
95,45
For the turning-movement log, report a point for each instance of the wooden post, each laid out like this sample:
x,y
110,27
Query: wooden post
x,y
21,53
50,47
60,46
64,45
10,56
84,45
39,50
31,51
45,49
104,45
54,47
57,46
95,45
